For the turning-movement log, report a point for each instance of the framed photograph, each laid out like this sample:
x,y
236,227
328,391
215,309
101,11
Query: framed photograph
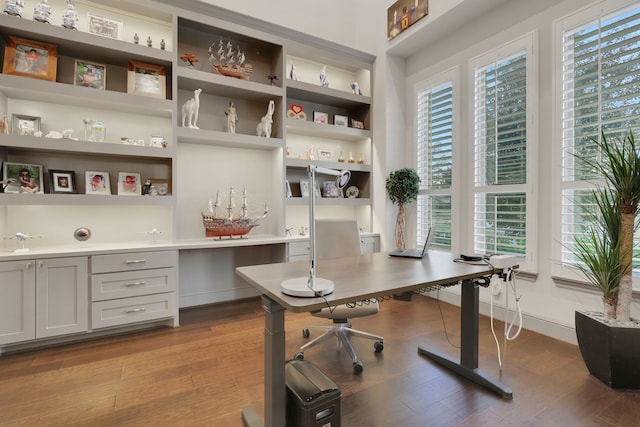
x,y
104,27
404,13
23,178
30,58
159,187
147,80
90,74
340,120
331,190
62,181
325,155
24,125
320,117
304,188
357,124
129,184
97,183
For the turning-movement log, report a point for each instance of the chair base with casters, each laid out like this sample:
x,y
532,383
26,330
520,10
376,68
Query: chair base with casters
x,y
341,329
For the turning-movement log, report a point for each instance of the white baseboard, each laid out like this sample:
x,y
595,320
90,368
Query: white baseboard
x,y
531,323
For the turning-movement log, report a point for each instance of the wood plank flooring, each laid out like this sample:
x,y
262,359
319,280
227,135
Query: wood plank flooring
x,y
206,371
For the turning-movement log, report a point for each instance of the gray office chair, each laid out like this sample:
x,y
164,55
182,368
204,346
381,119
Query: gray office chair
x,y
335,239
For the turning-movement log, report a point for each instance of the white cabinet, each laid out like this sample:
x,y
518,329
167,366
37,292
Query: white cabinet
x,y
43,298
128,288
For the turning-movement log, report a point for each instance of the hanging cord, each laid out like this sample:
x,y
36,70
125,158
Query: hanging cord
x,y
444,324
508,325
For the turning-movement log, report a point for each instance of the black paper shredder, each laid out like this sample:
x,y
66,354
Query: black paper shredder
x,y
313,399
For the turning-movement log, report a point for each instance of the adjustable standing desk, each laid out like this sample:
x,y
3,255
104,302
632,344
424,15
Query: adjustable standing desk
x,y
356,279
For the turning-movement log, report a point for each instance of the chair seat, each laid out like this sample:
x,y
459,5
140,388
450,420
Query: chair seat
x,y
348,311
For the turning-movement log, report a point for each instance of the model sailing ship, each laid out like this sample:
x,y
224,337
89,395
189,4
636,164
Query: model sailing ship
x,y
229,226
228,61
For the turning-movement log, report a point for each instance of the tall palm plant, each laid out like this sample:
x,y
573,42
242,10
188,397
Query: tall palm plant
x,y
619,166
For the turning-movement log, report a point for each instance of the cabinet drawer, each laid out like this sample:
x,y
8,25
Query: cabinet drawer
x,y
131,310
133,283
133,261
299,248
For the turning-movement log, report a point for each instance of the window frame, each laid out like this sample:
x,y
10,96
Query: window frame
x,y
528,43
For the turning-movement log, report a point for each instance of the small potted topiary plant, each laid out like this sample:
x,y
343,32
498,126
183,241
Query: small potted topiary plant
x,y
402,187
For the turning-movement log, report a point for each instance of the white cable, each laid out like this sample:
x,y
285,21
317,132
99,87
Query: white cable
x,y
493,332
508,326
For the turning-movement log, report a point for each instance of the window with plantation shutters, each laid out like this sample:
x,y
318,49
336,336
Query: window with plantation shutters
x,y
600,92
502,139
434,154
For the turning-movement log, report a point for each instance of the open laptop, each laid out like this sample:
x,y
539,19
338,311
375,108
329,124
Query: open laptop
x,y
415,253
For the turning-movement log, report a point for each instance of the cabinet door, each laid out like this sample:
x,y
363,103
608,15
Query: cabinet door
x,y
17,293
62,302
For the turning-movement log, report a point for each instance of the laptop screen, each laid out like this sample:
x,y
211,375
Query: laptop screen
x,y
427,243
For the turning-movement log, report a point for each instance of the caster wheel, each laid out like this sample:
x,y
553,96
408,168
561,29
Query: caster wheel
x,y
358,367
299,356
306,333
378,346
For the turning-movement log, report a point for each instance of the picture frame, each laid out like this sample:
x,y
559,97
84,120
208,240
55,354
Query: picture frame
x,y
24,125
129,184
339,120
147,80
97,183
161,186
304,188
403,14
62,182
105,27
30,58
325,155
320,117
357,124
90,74
24,178
331,190
287,189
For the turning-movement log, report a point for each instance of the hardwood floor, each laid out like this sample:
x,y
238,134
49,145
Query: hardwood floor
x,y
206,371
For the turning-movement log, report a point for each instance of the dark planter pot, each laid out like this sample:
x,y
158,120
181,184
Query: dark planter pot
x,y
611,353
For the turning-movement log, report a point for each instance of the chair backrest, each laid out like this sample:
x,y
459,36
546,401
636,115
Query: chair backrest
x,y
337,238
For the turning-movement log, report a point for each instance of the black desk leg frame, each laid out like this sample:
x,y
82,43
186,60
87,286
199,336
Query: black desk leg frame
x,y
467,366
275,393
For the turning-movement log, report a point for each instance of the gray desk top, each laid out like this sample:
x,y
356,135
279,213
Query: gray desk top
x,y
360,278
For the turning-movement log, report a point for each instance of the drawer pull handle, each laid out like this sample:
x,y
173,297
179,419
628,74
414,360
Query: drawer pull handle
x,y
135,261
135,310
135,284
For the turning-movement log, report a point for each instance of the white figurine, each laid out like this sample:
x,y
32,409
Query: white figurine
x,y
14,7
190,110
264,127
149,41
292,73
355,87
70,17
42,12
232,117
324,81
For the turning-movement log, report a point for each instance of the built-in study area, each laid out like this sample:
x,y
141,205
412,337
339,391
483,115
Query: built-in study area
x,y
153,152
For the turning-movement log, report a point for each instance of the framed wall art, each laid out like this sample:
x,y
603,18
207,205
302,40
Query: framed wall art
x,y
24,125
90,74
97,183
104,27
146,79
357,124
129,184
325,155
23,178
63,182
30,58
304,188
404,13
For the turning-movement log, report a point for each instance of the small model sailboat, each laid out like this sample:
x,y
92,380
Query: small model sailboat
x,y
228,61
228,226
